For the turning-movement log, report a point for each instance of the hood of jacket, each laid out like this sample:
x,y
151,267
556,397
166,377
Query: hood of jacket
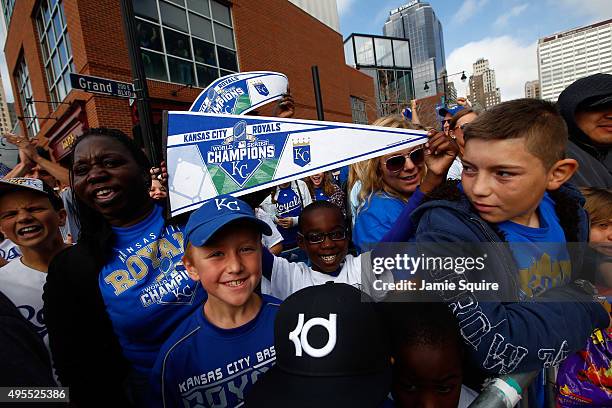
x,y
568,199
572,97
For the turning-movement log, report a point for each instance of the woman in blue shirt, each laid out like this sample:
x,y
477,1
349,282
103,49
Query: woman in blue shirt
x,y
113,299
398,179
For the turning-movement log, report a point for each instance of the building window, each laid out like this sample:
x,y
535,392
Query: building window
x,y
56,49
186,41
7,8
358,110
24,87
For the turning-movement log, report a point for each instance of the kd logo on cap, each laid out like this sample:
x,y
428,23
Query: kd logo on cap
x,y
299,336
232,205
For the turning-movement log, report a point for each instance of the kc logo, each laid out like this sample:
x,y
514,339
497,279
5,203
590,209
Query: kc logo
x,y
299,336
301,152
232,205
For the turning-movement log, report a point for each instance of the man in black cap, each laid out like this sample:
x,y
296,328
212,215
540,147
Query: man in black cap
x,y
586,106
331,351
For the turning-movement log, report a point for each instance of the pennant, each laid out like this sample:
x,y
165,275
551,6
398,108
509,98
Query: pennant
x,y
209,154
241,93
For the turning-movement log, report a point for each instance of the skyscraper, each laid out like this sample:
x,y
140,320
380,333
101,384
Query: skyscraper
x,y
532,89
417,22
5,116
570,55
484,92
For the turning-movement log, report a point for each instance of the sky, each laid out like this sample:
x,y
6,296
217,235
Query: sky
x,y
505,32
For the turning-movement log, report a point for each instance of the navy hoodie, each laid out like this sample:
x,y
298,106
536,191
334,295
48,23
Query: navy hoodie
x,y
505,337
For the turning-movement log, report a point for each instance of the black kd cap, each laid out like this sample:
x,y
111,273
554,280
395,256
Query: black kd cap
x,y
331,351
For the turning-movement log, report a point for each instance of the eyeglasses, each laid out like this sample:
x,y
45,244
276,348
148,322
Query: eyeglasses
x,y
396,163
462,127
318,237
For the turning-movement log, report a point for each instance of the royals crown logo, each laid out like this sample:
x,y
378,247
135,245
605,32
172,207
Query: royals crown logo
x,y
261,88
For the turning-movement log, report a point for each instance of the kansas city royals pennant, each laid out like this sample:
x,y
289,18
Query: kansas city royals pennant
x,y
211,154
241,93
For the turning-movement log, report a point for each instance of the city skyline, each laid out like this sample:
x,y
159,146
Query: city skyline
x,y
502,32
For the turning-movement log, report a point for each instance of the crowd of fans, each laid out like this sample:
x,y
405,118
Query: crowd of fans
x,y
130,309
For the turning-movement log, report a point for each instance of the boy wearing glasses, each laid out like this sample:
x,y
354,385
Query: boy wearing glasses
x,y
323,235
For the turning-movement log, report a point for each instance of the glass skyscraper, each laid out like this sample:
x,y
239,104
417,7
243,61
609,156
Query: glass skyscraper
x,y
417,22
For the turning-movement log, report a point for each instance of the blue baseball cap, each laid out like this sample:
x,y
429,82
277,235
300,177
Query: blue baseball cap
x,y
407,113
443,111
216,213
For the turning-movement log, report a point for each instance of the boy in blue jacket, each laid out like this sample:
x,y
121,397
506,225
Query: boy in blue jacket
x,y
512,190
217,354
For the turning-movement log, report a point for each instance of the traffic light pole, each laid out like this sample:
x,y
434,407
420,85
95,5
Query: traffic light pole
x,y
140,81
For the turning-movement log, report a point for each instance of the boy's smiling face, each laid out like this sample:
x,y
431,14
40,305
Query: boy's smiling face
x,y
28,218
229,265
503,180
326,256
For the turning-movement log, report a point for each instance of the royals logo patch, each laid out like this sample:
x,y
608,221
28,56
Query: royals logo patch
x,y
261,88
301,152
241,154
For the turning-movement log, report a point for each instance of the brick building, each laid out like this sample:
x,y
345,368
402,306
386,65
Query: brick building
x,y
183,42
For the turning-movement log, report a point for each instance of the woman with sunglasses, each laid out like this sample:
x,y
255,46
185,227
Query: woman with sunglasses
x,y
457,126
392,181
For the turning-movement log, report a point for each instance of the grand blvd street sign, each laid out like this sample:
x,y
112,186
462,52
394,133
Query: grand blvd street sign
x,y
102,86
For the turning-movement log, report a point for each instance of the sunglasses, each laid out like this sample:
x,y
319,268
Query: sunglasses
x,y
462,127
396,163
318,237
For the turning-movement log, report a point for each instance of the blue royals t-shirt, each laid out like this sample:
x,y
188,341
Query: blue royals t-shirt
x,y
540,253
288,204
205,366
146,289
320,195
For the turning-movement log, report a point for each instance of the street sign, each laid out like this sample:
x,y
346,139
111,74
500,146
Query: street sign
x,y
102,86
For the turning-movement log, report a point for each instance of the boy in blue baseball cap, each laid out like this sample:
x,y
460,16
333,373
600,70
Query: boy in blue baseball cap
x,y
218,353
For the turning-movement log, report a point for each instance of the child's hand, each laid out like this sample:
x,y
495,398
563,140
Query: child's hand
x,y
160,173
284,222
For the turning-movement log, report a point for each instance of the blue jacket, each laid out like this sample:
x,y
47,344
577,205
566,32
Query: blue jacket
x,y
503,333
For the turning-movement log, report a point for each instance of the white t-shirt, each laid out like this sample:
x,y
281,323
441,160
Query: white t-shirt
x,y
9,250
289,277
24,287
268,240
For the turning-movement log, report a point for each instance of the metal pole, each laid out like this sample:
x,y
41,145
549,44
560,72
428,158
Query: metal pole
x,y
140,81
317,91
444,83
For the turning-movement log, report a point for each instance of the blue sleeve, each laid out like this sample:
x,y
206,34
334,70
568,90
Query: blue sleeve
x,y
267,263
403,229
504,337
375,220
